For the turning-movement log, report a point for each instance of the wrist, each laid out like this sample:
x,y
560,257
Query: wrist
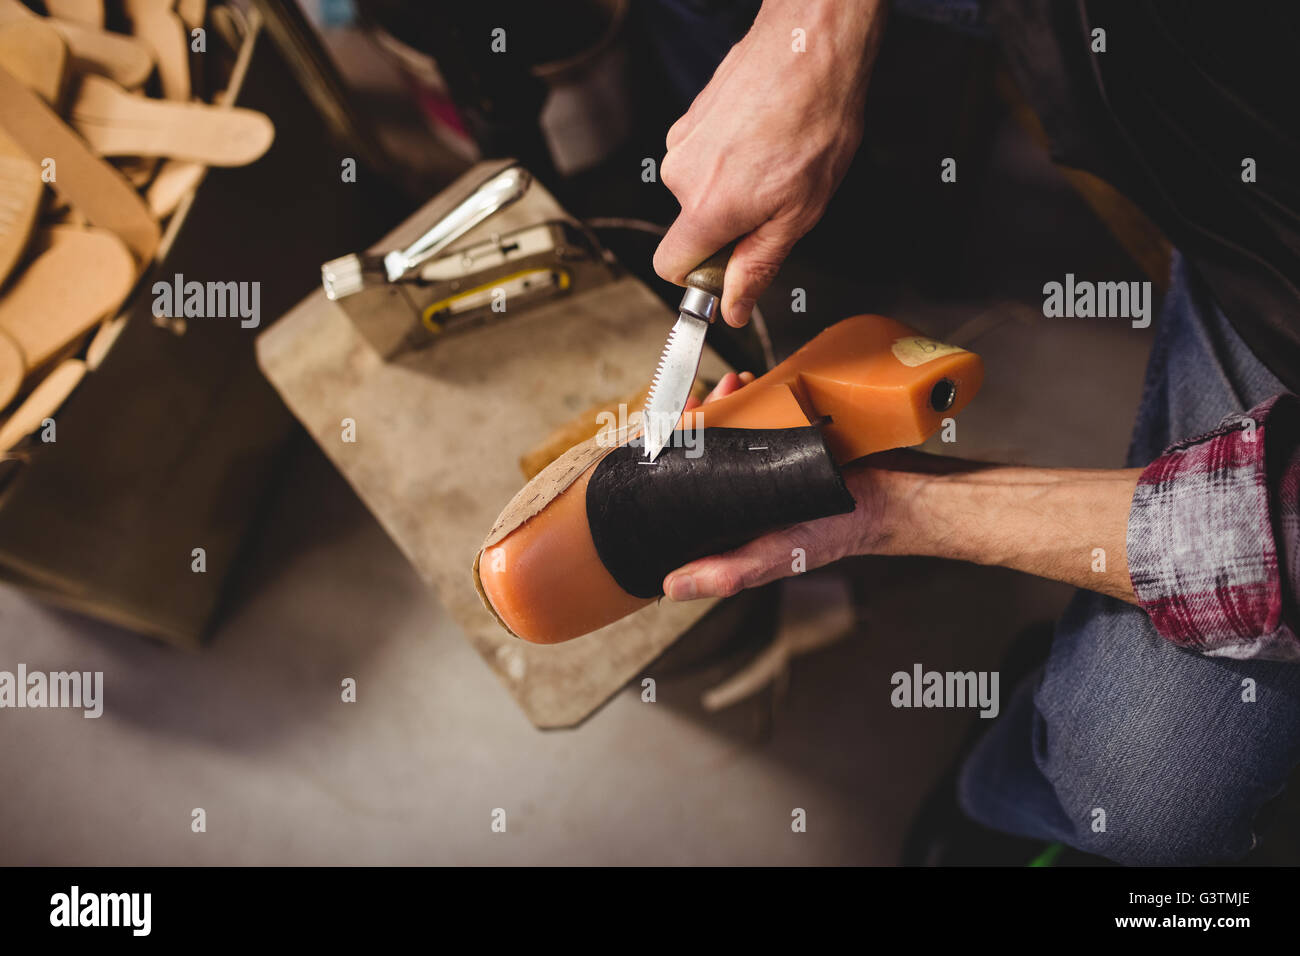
x,y
884,499
852,16
929,505
842,34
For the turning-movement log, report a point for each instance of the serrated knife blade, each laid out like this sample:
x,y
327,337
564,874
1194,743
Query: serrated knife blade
x,y
672,383
680,359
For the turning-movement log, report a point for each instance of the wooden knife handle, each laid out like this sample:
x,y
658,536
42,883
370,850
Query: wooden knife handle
x,y
707,276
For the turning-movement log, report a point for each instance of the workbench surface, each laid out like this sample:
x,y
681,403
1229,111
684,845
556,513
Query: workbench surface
x,y
439,433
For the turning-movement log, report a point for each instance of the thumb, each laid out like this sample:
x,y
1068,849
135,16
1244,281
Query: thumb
x,y
722,575
753,266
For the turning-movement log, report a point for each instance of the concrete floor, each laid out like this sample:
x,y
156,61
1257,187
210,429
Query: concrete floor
x,y
253,730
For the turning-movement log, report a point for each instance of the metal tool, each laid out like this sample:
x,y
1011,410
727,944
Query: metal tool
x,y
350,274
457,276
681,355
457,291
468,286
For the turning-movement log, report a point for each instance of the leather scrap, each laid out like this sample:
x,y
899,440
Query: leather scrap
x,y
649,519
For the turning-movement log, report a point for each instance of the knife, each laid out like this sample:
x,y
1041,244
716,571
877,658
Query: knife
x,y
681,355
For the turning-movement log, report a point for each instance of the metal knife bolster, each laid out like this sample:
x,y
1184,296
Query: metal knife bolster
x,y
701,304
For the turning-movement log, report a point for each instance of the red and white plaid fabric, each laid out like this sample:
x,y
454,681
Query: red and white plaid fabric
x,y
1214,533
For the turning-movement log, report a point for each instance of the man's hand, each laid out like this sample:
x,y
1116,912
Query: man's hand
x,y
1065,524
770,557
766,143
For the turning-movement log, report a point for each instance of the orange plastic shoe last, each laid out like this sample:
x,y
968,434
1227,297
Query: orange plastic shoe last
x,y
881,384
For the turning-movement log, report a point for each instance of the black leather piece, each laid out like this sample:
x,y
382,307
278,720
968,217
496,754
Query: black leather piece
x,y
648,519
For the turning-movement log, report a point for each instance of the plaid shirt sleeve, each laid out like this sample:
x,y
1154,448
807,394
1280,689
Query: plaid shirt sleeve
x,y
1214,536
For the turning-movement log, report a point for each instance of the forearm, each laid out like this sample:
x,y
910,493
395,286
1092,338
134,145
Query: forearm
x,y
1064,524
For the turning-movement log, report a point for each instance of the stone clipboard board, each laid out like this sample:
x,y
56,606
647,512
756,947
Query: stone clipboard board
x,y
439,434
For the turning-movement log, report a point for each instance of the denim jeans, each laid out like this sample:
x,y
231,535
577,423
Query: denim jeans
x,y
1122,744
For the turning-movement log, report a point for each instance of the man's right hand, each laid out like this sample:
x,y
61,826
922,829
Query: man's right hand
x,y
766,143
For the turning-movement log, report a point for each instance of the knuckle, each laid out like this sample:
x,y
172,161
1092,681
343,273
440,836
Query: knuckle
x,y
762,270
676,131
729,582
668,167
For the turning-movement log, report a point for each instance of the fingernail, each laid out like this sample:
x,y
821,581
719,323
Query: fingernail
x,y
681,588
